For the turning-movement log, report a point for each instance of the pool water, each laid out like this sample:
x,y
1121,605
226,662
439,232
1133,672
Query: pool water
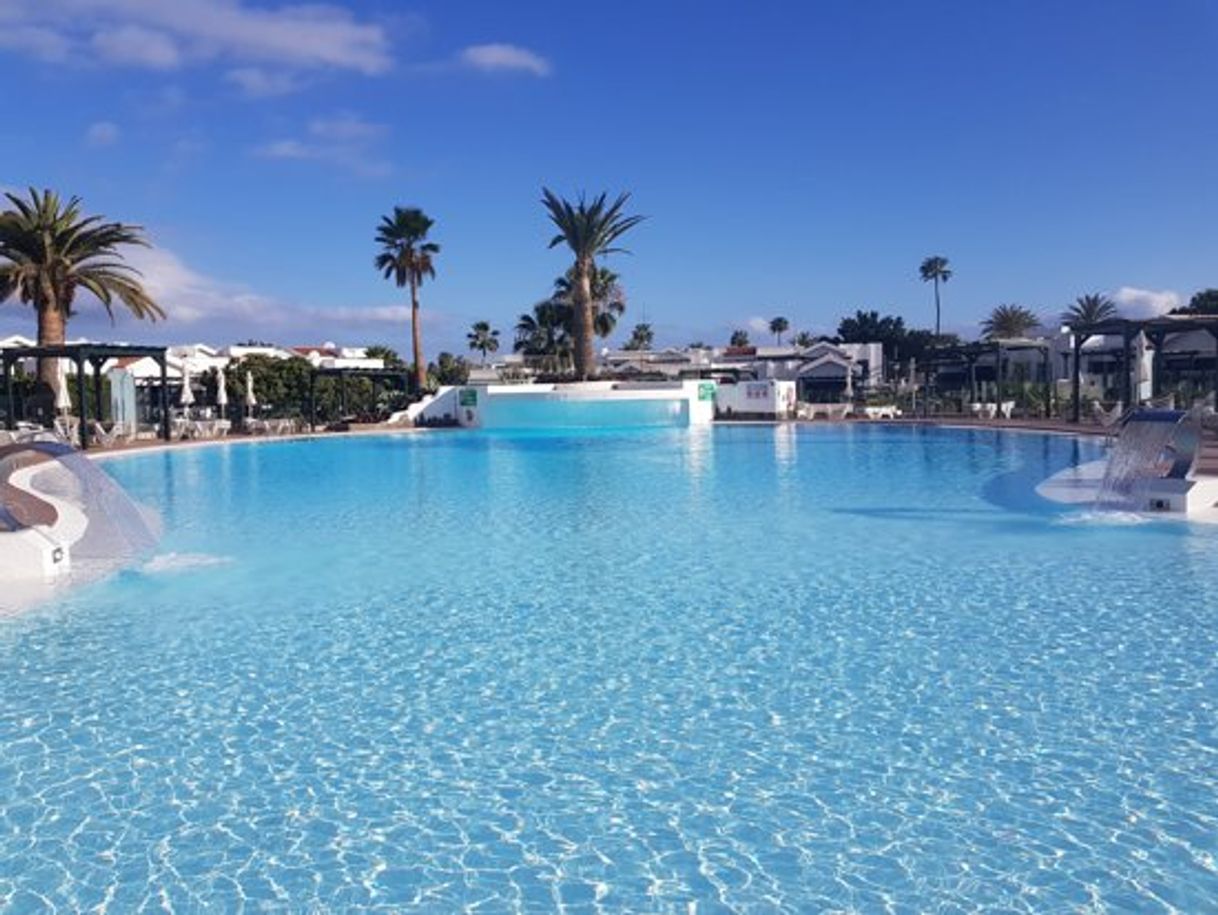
x,y
747,668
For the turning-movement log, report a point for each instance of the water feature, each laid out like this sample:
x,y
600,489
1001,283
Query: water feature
x,y
1149,447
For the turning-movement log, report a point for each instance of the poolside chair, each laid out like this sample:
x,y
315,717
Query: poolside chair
x,y
1006,408
67,429
106,439
1108,419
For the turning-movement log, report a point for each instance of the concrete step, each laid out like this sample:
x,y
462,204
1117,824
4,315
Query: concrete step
x,y
1207,454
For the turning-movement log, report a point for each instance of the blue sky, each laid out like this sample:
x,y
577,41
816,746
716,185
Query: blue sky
x,y
793,158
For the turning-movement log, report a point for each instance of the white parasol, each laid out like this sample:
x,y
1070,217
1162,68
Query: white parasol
x,y
63,397
250,399
221,391
187,397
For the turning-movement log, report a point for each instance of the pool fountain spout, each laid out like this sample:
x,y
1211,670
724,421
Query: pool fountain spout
x,y
1152,465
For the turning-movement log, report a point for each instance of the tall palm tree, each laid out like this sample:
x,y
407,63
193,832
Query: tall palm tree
x,y
1009,321
608,298
483,338
778,327
1090,309
49,250
589,228
935,270
408,258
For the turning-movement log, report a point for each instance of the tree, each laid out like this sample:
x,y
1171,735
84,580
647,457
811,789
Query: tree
x,y
805,339
916,344
1090,309
483,338
608,298
408,258
388,356
697,344
778,327
871,327
739,338
935,270
589,229
545,334
640,338
447,370
1009,321
1204,302
49,250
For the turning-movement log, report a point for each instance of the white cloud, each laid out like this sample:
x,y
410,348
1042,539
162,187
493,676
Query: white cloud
x,y
36,41
492,58
256,82
759,325
345,140
136,46
1146,303
102,133
161,34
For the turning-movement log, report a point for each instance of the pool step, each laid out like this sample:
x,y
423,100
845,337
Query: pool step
x,y
1207,454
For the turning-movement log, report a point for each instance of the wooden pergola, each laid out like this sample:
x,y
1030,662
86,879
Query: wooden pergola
x,y
969,354
342,374
1157,331
95,355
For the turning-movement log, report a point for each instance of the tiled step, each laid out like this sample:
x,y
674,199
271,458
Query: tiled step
x,y
1207,454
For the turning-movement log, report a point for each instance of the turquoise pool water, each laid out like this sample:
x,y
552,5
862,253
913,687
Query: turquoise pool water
x,y
848,667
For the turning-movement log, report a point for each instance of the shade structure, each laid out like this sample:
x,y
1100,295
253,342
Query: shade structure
x,y
63,397
850,381
187,397
221,390
250,399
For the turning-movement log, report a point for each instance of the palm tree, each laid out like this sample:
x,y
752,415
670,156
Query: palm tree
x,y
49,250
641,338
1009,321
408,258
608,298
778,327
589,229
934,269
805,339
1090,309
483,339
739,338
545,333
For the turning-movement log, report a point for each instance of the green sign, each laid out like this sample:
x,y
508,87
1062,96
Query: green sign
x,y
468,397
706,390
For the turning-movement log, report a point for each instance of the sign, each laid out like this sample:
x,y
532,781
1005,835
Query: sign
x,y
706,390
467,397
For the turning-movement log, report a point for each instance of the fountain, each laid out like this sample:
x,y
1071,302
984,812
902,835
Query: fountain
x,y
62,516
1149,469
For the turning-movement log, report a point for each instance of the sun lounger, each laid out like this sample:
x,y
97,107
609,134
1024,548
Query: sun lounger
x,y
1108,419
881,412
102,436
1006,408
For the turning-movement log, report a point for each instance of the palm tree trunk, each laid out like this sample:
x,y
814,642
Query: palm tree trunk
x,y
585,356
52,331
416,337
937,309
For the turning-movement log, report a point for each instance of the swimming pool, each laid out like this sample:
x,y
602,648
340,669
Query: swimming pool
x,y
744,667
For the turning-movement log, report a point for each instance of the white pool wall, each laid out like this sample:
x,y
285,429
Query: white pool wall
x,y
581,404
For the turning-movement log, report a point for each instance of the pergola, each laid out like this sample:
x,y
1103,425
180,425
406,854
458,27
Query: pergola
x,y
969,354
342,374
1157,331
96,355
